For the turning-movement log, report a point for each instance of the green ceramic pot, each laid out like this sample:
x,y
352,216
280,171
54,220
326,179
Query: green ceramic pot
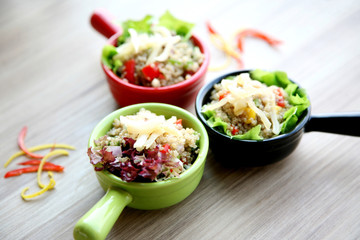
x,y
98,221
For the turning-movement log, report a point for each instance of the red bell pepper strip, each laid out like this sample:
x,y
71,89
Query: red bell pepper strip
x,y
130,70
21,144
151,71
256,34
36,162
17,172
210,28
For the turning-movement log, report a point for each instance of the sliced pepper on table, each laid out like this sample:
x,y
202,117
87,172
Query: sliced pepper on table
x,y
36,162
21,144
19,171
220,43
256,34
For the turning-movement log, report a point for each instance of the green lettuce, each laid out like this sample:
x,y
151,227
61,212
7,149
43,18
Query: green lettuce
x,y
181,28
223,127
107,58
141,26
167,20
252,134
297,96
290,120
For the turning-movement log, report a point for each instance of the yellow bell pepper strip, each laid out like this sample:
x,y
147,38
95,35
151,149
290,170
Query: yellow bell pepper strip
x,y
50,154
37,148
51,185
221,44
21,144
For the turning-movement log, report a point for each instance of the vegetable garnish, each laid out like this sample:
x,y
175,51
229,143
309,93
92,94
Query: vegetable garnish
x,y
37,165
255,34
234,52
224,46
36,162
46,167
38,148
181,27
21,144
50,154
51,185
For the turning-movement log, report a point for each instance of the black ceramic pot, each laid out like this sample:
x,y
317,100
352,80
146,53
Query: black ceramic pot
x,y
250,153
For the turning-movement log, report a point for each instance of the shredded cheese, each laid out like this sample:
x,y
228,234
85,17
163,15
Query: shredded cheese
x,y
146,130
37,148
134,39
171,41
243,90
159,44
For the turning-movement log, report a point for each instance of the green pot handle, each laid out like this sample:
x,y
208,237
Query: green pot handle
x,y
98,221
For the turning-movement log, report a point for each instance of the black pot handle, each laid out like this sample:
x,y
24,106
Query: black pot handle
x,y
339,123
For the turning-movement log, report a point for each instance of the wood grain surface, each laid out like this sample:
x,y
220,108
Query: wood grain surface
x,y
51,81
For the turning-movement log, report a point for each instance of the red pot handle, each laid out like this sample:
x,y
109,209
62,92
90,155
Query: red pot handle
x,y
103,22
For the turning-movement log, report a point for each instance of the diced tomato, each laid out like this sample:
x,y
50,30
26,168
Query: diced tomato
x,y
234,130
152,71
166,148
179,121
130,70
223,95
280,100
161,76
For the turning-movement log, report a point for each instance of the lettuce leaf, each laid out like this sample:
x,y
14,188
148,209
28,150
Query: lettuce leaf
x,y
282,79
297,96
221,126
216,122
181,28
268,78
141,26
106,57
252,134
290,120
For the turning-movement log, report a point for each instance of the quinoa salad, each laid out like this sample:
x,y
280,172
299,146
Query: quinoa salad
x,y
145,147
255,106
154,54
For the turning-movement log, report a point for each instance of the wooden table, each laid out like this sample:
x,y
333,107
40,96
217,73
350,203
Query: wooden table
x,y
51,81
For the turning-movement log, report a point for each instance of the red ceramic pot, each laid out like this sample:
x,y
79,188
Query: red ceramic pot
x,y
181,94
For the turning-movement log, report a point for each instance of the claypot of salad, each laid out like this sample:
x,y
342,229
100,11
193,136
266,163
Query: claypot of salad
x,y
152,60
257,117
145,156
